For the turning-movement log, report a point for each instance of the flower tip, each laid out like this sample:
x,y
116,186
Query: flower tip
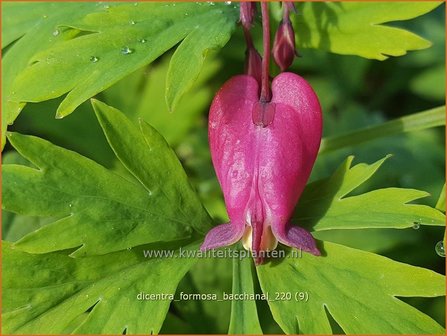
x,y
316,252
284,45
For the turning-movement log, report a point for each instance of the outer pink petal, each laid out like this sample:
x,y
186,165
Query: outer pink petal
x,y
233,143
222,235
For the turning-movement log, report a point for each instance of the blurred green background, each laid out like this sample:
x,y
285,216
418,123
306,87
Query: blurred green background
x,y
354,93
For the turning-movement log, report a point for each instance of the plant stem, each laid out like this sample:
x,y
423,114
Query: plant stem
x,y
266,94
415,122
285,11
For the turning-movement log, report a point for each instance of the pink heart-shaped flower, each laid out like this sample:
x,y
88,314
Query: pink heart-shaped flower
x,y
263,154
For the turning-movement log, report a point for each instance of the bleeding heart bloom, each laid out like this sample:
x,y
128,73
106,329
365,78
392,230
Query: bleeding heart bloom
x,y
263,154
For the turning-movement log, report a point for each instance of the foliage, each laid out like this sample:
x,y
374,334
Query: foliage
x,y
81,209
357,288
107,286
355,28
131,146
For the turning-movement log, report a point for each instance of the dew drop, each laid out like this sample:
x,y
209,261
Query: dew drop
x,y
135,4
106,6
94,59
439,248
143,40
416,225
45,16
70,205
126,50
56,32
132,22
227,2
149,192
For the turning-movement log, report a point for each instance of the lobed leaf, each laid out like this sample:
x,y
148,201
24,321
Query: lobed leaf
x,y
118,42
326,204
98,210
50,293
359,289
357,28
40,32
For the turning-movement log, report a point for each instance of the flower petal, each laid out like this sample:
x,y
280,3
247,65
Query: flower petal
x,y
295,236
222,235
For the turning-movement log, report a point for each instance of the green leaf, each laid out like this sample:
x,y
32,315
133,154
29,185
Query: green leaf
x,y
430,83
189,57
19,17
440,204
121,40
414,122
159,206
357,28
141,95
38,37
45,294
244,316
326,204
371,240
359,289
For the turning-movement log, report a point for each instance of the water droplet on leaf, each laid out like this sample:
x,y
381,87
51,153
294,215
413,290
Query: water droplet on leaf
x,y
143,40
439,248
416,225
126,50
56,32
94,59
132,22
227,2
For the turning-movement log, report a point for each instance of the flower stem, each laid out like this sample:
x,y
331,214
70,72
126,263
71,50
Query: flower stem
x,y
248,38
266,94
